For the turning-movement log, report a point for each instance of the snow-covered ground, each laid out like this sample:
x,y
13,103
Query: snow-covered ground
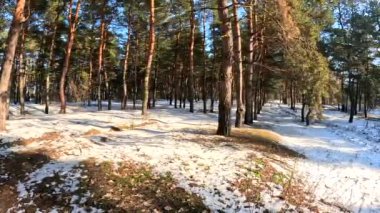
x,y
342,167
171,140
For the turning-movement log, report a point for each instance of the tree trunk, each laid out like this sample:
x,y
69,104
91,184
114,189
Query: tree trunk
x,y
190,82
136,65
100,53
308,116
22,72
51,61
303,108
215,70
285,97
204,80
149,58
366,104
351,83
154,92
225,90
91,69
238,62
356,96
177,72
125,68
291,95
249,73
69,46
13,34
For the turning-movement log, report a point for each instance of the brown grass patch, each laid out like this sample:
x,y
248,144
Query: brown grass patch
x,y
295,194
132,125
92,132
262,140
132,187
15,167
49,136
257,179
259,135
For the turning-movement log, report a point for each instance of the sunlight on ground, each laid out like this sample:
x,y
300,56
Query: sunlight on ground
x,y
257,135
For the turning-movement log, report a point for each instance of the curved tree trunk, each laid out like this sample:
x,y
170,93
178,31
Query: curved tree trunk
x,y
14,32
69,46
149,59
225,90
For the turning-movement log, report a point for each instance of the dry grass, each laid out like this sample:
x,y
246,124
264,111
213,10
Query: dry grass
x,y
262,140
131,126
257,179
132,187
92,132
50,136
15,167
258,135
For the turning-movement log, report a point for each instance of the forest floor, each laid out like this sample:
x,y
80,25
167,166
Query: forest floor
x,y
171,161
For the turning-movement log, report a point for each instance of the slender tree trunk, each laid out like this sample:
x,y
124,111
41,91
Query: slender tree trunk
x,y
249,73
149,58
366,104
285,93
214,71
238,62
137,62
91,70
356,96
177,72
303,108
22,71
360,100
351,84
154,92
308,118
69,46
190,82
51,61
100,53
256,96
125,68
225,90
13,34
204,80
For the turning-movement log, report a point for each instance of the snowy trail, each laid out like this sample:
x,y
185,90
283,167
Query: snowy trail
x,y
343,168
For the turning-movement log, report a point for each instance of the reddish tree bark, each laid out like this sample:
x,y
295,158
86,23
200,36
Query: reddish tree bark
x,y
149,58
14,32
65,69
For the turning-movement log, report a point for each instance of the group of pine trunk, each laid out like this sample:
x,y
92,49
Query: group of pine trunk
x,y
249,95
